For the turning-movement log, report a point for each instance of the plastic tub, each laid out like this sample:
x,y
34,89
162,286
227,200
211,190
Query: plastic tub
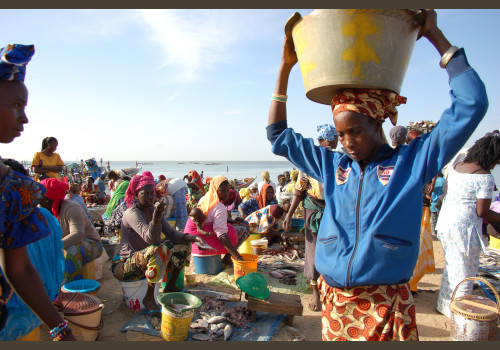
x,y
241,268
259,246
355,48
207,264
81,286
180,280
246,246
84,313
297,224
134,292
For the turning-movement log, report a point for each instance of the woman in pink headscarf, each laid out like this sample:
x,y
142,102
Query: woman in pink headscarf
x,y
142,252
81,242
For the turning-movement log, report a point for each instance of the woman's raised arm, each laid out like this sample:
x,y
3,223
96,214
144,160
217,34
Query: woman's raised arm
x,y
277,111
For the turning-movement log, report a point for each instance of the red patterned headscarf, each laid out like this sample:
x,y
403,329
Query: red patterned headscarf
x,y
262,195
56,190
138,182
377,104
196,178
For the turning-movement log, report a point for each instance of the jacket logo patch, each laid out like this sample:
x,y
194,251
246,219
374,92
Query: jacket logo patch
x,y
342,175
384,174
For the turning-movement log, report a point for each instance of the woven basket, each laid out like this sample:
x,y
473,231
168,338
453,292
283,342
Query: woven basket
x,y
474,318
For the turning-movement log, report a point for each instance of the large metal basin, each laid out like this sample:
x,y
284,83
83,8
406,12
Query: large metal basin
x,y
358,48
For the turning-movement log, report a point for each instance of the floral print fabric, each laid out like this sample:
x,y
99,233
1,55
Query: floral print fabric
x,y
367,313
21,222
458,222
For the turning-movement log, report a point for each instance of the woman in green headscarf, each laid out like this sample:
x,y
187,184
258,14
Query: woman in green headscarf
x,y
118,195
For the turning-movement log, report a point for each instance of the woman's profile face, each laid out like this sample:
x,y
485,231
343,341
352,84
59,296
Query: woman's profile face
x,y
52,146
223,191
13,100
359,134
269,193
146,196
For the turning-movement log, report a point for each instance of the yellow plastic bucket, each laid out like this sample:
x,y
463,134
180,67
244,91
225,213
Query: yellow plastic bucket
x,y
246,247
175,325
241,268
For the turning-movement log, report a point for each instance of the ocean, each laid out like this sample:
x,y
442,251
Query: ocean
x,y
230,169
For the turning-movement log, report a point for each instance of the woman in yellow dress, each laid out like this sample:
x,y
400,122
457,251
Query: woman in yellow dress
x,y
47,163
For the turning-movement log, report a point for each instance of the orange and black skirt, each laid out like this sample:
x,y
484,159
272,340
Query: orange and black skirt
x,y
367,313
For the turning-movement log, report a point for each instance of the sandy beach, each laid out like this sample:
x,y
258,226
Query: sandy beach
x,y
432,326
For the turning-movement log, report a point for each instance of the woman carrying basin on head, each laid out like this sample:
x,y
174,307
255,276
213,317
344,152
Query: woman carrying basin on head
x,y
369,236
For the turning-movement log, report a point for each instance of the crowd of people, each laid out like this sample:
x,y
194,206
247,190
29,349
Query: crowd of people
x,y
370,209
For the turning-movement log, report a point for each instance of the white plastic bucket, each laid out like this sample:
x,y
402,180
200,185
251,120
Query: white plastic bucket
x,y
134,292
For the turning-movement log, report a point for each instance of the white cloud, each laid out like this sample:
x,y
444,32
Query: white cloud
x,y
191,40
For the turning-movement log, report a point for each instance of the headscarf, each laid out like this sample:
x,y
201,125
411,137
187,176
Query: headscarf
x,y
280,176
56,190
398,134
245,193
265,176
211,197
117,195
262,195
13,61
374,103
162,177
138,182
196,178
326,132
294,174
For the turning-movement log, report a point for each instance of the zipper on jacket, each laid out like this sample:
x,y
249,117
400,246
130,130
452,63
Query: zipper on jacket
x,y
360,187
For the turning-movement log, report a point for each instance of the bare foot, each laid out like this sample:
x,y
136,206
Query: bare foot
x,y
315,303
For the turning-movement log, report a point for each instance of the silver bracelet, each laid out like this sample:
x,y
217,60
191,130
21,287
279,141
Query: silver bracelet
x,y
447,56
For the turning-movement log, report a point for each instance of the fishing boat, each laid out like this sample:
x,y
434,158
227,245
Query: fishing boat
x,y
246,182
130,171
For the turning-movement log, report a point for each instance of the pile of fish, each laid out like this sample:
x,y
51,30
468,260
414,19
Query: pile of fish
x,y
217,322
288,251
286,273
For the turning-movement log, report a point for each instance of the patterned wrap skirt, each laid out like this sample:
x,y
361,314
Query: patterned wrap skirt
x,y
153,262
372,312
425,263
78,255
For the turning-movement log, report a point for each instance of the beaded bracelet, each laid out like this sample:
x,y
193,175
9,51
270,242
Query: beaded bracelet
x,y
279,98
60,331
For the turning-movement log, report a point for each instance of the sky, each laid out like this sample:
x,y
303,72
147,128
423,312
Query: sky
x,y
166,85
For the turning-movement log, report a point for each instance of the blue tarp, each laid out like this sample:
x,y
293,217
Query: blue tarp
x,y
265,326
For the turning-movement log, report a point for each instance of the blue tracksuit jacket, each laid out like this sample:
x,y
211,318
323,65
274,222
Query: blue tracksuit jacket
x,y
370,231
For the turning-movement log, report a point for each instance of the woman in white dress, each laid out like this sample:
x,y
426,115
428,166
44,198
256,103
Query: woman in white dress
x,y
470,189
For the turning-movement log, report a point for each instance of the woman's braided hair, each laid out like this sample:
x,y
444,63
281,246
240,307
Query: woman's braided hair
x,y
485,152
